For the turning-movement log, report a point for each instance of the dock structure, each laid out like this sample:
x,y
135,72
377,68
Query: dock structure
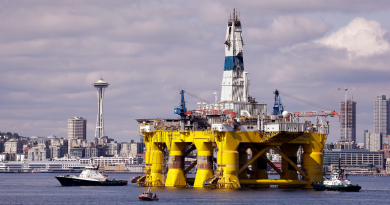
x,y
231,127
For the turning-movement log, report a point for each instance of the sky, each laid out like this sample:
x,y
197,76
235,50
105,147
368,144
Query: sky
x,y
51,52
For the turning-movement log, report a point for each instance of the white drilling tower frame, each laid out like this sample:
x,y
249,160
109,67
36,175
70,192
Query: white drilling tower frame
x,y
235,82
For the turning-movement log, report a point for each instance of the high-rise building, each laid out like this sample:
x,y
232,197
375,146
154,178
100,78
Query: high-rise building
x,y
382,117
13,146
77,131
347,121
94,151
100,85
372,141
113,148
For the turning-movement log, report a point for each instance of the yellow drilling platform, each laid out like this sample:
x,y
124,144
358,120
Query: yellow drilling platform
x,y
232,136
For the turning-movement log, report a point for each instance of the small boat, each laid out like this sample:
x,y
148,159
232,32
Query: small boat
x,y
148,196
336,183
134,179
90,176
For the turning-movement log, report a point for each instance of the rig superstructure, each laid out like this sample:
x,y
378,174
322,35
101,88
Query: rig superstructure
x,y
231,126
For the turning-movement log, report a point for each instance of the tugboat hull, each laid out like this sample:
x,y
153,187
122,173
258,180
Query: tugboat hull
x,y
144,198
322,187
68,181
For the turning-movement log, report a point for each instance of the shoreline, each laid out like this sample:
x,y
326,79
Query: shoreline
x,y
54,172
128,172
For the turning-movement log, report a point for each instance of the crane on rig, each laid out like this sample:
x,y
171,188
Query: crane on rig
x,y
278,108
181,110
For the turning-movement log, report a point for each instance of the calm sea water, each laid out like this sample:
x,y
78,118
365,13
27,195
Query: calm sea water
x,y
43,188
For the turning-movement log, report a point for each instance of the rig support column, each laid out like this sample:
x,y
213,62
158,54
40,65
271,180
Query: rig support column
x,y
155,160
204,162
175,176
227,161
313,158
148,164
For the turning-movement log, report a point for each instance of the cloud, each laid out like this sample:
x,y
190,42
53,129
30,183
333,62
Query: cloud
x,y
360,37
52,51
313,71
288,30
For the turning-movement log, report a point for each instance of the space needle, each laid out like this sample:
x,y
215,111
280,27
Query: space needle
x,y
100,85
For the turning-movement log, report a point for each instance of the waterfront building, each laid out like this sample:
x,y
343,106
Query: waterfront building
x,y
20,157
77,131
13,146
39,153
388,165
58,147
59,141
104,140
113,148
382,117
372,141
136,148
4,157
347,121
26,166
354,157
360,145
105,161
77,152
58,151
345,145
31,143
135,168
131,149
94,151
125,149
329,146
366,169
115,168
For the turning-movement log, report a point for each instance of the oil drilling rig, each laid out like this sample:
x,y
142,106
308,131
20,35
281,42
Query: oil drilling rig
x,y
230,127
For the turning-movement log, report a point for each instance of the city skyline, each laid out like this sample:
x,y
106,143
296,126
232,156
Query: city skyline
x,y
147,54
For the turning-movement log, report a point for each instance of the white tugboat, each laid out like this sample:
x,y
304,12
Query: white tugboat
x,y
90,176
336,183
148,196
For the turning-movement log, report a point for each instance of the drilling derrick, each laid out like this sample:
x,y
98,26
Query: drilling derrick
x,y
232,126
235,79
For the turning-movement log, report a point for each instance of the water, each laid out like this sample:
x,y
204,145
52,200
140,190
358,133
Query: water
x,y
43,188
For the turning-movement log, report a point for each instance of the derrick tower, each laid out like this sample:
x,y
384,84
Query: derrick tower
x,y
100,85
235,79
